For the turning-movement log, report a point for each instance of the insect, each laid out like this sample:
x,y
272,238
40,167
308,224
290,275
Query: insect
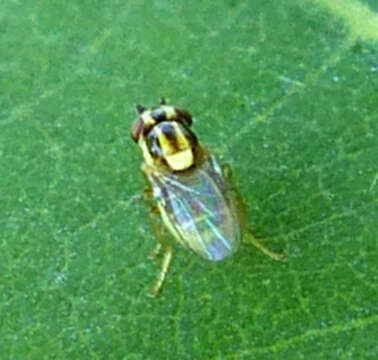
x,y
190,190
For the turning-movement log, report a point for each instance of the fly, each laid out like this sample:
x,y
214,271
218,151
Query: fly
x,y
190,190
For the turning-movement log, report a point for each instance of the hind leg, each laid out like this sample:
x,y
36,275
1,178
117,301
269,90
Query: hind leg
x,y
242,210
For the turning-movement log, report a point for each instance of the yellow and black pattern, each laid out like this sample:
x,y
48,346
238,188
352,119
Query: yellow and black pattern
x,y
164,133
196,203
173,143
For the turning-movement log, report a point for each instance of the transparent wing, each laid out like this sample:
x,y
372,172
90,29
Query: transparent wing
x,y
199,210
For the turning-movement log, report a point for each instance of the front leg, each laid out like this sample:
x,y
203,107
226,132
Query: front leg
x,y
162,245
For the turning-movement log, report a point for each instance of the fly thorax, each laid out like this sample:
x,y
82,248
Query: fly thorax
x,y
172,143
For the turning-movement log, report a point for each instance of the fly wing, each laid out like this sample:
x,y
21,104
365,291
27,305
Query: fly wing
x,y
199,210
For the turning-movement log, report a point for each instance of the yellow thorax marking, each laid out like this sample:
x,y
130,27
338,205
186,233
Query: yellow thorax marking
x,y
177,152
181,160
146,154
168,146
147,118
169,111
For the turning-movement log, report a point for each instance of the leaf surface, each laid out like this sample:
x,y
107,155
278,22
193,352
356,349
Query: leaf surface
x,y
286,93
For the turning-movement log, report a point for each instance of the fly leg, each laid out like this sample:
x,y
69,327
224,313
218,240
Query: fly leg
x,y
155,252
242,210
162,244
167,257
250,239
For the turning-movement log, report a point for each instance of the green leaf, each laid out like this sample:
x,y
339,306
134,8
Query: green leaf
x,y
284,92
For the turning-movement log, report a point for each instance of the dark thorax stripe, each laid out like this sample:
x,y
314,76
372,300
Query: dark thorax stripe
x,y
172,138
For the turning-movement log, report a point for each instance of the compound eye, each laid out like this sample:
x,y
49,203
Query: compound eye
x,y
136,129
184,116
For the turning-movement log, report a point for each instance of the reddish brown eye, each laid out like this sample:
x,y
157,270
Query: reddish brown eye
x,y
184,116
136,129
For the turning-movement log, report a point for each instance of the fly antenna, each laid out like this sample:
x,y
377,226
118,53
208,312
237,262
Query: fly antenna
x,y
140,108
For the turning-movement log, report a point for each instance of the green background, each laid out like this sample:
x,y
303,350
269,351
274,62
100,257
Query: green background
x,y
286,92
